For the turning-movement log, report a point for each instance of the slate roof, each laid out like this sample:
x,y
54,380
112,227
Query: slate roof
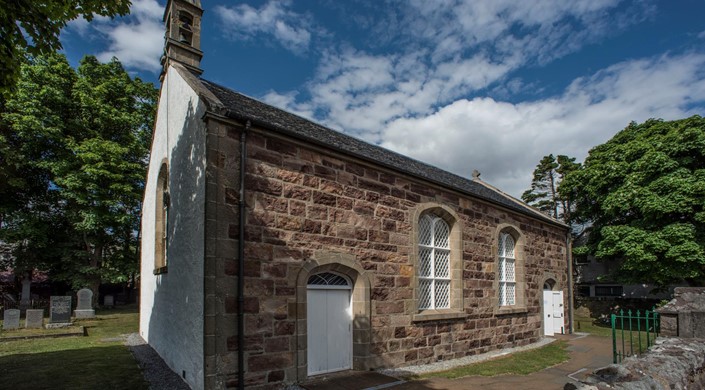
x,y
244,108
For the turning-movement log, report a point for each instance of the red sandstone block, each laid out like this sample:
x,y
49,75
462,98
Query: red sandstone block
x,y
325,172
262,184
284,328
268,362
411,356
281,147
389,307
331,187
332,162
275,376
324,198
372,185
355,169
265,155
289,176
276,344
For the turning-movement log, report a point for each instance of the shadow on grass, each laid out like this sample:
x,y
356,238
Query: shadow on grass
x,y
100,367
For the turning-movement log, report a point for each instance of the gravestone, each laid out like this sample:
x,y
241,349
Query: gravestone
x,y
109,301
60,309
84,308
11,319
34,318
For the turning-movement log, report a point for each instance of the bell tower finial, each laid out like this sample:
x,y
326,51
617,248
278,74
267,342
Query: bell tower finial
x,y
182,40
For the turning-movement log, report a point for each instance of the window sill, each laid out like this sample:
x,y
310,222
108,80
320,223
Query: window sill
x,y
437,315
510,310
160,270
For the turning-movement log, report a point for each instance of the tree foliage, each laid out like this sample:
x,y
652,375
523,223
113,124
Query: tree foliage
x,y
643,192
544,194
73,153
34,27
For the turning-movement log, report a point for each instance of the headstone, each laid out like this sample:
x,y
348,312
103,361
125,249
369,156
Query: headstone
x,y
25,298
84,309
60,309
109,301
11,319
34,318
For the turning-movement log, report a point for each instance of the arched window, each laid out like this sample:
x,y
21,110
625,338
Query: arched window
x,y
329,280
507,270
434,263
161,210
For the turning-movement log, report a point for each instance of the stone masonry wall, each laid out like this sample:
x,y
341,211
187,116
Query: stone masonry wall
x,y
304,204
671,364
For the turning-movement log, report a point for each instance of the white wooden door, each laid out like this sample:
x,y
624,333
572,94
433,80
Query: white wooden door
x,y
557,312
552,312
329,330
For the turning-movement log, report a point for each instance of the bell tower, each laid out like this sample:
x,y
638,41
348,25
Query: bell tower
x,y
182,40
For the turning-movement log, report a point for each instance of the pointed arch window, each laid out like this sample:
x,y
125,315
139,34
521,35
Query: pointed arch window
x,y
434,263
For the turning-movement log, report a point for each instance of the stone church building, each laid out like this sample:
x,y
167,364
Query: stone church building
x,y
275,249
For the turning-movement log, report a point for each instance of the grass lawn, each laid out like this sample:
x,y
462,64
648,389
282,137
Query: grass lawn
x,y
588,325
91,362
520,363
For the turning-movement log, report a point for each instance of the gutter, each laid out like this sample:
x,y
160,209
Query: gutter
x,y
241,264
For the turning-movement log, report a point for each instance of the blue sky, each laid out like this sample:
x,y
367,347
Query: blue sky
x,y
462,84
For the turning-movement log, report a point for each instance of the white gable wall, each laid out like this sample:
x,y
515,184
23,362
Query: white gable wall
x,y
171,304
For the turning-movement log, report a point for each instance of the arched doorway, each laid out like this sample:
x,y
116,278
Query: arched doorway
x,y
552,309
329,320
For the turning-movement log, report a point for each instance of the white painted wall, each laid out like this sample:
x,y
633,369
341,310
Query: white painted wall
x,y
171,304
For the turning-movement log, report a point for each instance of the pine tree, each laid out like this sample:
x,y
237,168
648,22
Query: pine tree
x,y
544,192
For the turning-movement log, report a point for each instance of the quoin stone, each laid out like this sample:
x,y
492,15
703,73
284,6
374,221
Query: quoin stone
x,y
34,318
11,319
60,309
84,308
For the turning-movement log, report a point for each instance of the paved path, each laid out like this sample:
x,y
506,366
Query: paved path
x,y
587,353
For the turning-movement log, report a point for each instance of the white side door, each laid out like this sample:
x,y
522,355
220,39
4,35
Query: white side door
x,y
547,313
552,312
558,312
329,330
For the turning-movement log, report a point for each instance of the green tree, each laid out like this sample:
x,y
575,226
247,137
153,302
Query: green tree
x,y
643,193
75,148
34,27
544,192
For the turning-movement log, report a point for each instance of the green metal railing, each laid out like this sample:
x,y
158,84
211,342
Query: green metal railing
x,y
635,332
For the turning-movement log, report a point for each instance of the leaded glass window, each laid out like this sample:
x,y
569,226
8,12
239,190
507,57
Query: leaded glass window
x,y
434,263
507,270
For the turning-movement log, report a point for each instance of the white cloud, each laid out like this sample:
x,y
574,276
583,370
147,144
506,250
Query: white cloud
x,y
289,29
505,141
456,48
419,100
137,40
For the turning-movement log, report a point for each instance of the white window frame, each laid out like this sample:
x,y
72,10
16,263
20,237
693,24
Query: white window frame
x,y
437,247
507,270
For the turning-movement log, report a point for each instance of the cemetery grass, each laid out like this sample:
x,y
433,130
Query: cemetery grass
x,y
592,326
97,361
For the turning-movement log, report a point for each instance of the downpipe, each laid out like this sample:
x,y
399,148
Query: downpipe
x,y
569,260
241,264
